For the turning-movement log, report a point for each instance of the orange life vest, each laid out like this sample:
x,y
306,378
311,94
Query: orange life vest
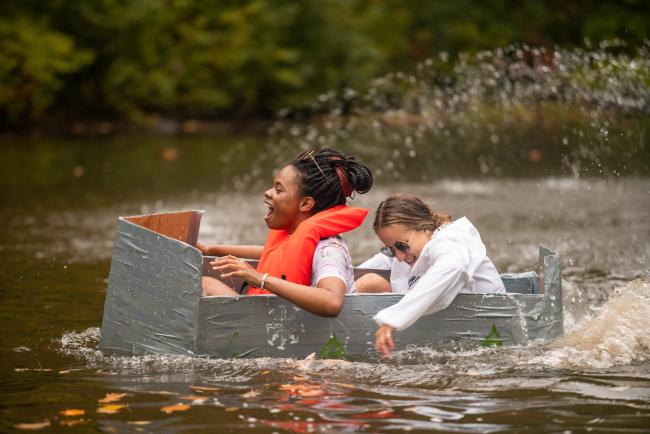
x,y
290,256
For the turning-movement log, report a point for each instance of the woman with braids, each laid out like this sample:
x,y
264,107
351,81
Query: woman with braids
x,y
304,258
431,259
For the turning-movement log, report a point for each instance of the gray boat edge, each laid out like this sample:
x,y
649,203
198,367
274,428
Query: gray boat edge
x,y
154,305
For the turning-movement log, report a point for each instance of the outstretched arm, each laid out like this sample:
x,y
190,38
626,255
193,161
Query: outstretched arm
x,y
248,252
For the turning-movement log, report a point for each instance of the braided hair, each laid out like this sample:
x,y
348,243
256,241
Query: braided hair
x,y
330,177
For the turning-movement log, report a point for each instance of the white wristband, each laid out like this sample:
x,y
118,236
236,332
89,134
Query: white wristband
x,y
263,281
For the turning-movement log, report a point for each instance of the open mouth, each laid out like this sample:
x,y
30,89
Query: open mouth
x,y
269,211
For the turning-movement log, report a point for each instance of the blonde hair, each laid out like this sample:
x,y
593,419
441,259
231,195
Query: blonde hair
x,y
410,211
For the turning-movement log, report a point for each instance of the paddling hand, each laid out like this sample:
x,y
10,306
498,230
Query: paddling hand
x,y
384,340
231,266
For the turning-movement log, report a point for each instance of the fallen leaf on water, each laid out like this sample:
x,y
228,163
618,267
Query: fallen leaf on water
x,y
169,409
230,409
308,401
169,154
112,397
73,422
67,371
73,412
302,389
250,394
346,385
265,372
381,414
299,378
32,426
138,422
204,389
111,408
193,397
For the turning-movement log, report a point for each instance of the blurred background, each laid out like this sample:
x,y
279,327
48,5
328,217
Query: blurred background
x,y
64,62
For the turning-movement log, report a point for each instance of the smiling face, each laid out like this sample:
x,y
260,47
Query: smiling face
x,y
286,208
391,234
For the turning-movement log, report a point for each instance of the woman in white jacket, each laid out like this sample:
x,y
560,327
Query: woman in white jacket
x,y
431,259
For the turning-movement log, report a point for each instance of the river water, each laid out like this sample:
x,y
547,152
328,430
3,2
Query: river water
x,y
61,198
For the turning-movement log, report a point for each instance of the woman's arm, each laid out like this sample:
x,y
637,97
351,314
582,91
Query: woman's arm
x,y
326,299
248,252
434,291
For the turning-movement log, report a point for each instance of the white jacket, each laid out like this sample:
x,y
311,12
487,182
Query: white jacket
x,y
453,261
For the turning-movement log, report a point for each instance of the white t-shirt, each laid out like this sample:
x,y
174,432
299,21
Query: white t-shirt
x,y
332,259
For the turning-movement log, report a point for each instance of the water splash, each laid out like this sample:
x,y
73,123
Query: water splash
x,y
518,110
618,335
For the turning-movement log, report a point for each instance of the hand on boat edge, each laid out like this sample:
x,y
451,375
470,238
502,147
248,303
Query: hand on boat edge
x,y
231,266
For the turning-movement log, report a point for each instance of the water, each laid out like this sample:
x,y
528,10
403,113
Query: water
x,y
61,199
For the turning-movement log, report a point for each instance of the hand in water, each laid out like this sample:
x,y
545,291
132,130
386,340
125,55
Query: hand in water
x,y
384,340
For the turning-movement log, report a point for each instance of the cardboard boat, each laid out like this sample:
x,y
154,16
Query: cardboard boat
x,y
154,305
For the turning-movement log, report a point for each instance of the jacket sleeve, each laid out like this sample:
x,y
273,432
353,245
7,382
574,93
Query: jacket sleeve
x,y
378,262
434,291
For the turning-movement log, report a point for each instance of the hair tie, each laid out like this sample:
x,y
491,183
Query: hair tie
x,y
345,185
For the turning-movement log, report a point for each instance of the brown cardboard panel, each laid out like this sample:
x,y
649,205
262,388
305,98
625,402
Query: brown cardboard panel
x,y
182,226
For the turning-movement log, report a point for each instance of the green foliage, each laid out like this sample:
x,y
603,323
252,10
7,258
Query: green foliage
x,y
34,60
493,339
206,58
333,349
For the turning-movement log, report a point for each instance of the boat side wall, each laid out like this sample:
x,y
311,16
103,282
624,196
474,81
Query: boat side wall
x,y
270,326
154,288
551,280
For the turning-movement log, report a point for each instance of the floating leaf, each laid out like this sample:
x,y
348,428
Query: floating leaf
x,y
204,389
111,408
73,422
138,422
112,397
333,349
231,409
169,409
302,389
309,401
381,414
73,412
265,372
346,385
299,378
250,394
493,339
33,426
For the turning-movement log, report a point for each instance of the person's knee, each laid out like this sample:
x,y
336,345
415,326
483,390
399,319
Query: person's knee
x,y
372,283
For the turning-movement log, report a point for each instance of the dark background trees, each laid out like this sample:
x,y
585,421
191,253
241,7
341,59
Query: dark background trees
x,y
125,59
